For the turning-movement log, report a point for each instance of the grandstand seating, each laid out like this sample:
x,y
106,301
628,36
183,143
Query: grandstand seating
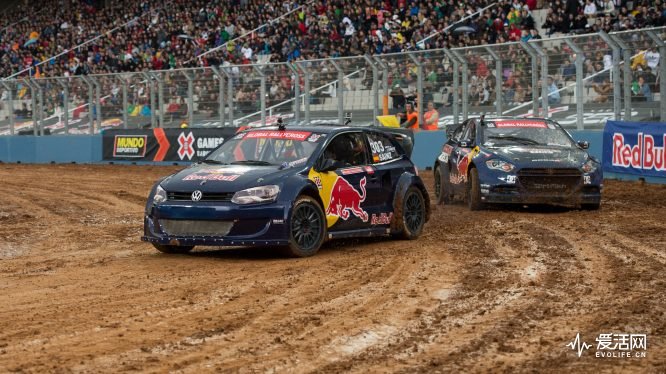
x,y
154,35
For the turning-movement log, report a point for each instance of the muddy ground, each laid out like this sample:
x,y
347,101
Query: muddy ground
x,y
499,290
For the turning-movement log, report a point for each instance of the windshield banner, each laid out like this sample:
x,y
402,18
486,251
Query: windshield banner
x,y
162,144
635,148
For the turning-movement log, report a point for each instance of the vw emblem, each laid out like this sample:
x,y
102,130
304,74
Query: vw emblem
x,y
196,195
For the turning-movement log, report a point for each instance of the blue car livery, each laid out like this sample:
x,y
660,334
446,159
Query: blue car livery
x,y
293,188
516,160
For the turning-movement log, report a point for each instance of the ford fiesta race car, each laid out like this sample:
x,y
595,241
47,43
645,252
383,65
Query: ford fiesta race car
x,y
293,188
523,161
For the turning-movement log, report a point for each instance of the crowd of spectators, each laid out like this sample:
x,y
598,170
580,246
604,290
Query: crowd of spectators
x,y
145,35
578,16
154,35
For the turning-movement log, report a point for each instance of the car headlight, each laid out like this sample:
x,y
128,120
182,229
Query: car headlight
x,y
263,194
590,166
160,195
500,165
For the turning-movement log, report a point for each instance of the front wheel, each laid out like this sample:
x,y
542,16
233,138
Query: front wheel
x,y
307,228
413,214
173,249
474,191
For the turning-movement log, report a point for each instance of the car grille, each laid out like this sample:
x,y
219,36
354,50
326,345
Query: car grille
x,y
549,180
205,196
195,228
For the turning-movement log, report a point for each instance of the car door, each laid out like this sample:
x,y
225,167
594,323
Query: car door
x,y
387,165
346,190
462,147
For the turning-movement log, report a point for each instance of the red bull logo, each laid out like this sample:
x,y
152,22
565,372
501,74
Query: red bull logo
x,y
345,199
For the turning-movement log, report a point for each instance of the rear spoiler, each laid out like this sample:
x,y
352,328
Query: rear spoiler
x,y
403,136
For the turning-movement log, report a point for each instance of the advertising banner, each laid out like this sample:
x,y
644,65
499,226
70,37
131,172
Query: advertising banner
x,y
635,148
162,144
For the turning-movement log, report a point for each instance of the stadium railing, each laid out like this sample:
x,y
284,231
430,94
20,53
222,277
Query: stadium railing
x,y
589,78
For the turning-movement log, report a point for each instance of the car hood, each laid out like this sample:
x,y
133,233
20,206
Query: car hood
x,y
224,178
542,155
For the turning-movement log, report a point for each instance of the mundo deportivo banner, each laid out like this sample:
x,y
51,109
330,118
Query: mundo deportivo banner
x,y
635,148
162,144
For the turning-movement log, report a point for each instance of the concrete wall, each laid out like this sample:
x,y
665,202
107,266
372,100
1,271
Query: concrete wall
x,y
47,149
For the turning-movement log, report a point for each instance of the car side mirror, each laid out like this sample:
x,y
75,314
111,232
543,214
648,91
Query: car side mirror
x,y
330,165
584,144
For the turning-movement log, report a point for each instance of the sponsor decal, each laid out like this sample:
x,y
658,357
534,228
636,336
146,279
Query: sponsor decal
x,y
457,178
218,176
186,145
541,151
129,145
509,179
521,123
587,179
276,134
381,219
317,182
314,137
644,155
612,345
369,169
443,157
278,221
346,200
352,170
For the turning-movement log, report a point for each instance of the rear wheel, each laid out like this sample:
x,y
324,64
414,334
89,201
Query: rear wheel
x,y
173,249
442,191
307,228
413,214
474,191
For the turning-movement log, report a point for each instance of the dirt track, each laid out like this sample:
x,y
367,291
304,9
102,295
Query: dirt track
x,y
494,290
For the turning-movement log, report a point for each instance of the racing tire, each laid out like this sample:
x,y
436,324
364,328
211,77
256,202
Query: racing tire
x,y
307,228
173,249
593,206
441,189
474,191
413,214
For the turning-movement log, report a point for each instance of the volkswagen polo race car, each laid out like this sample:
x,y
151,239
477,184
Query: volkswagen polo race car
x,y
524,161
293,188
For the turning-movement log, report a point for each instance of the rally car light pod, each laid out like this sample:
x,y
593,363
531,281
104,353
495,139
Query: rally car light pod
x,y
590,166
255,195
160,195
500,165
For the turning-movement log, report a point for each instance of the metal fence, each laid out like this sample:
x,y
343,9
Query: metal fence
x,y
588,79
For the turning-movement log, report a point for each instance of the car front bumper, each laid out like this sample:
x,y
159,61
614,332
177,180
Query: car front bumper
x,y
216,224
517,195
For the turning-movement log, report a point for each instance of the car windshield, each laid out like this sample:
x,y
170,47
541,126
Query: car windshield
x,y
267,147
524,132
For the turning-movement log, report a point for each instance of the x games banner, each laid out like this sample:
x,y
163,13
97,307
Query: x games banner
x,y
635,148
162,144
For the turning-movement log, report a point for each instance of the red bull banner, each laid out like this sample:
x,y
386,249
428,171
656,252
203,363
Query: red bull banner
x,y
637,148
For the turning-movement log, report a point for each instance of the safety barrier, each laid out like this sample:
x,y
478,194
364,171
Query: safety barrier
x,y
88,149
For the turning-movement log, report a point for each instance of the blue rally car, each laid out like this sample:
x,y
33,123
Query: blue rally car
x,y
523,161
290,187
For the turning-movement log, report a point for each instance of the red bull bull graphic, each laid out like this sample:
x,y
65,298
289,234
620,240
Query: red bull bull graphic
x,y
346,200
